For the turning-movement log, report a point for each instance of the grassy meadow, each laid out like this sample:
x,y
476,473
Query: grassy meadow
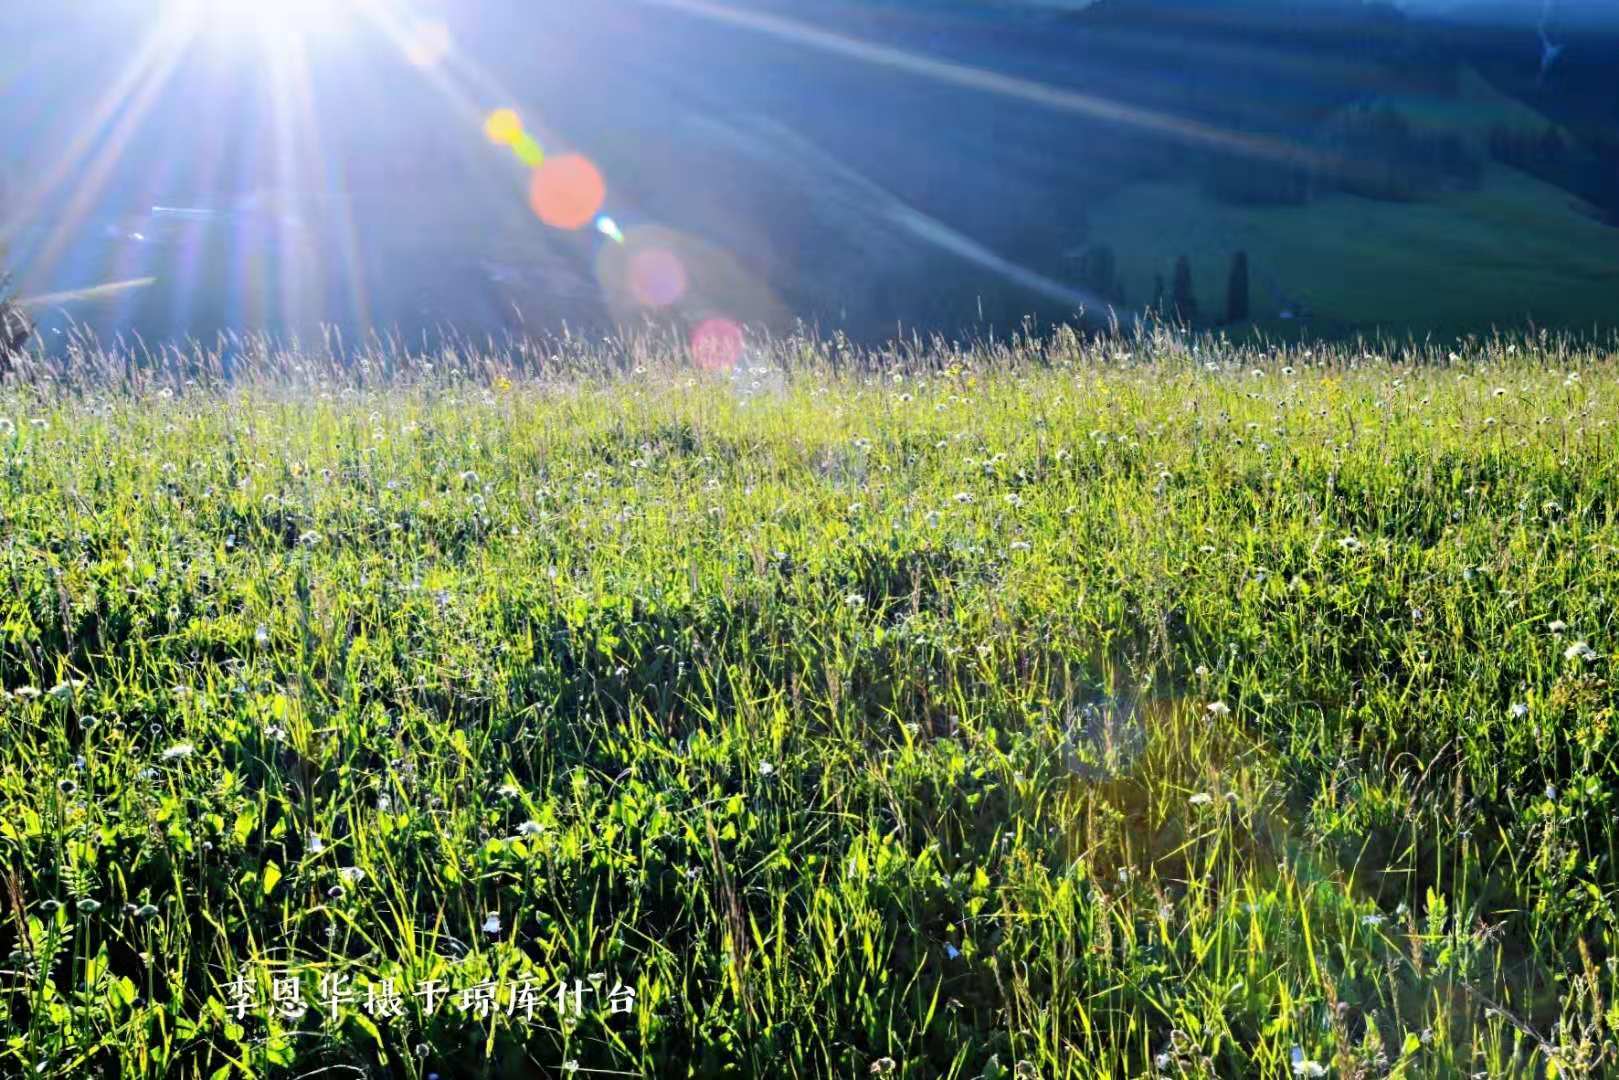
x,y
1036,708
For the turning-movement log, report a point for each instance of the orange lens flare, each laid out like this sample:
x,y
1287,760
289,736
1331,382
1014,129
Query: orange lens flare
x,y
567,192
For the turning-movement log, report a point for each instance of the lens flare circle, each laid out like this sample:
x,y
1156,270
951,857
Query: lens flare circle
x,y
567,192
503,127
717,344
657,277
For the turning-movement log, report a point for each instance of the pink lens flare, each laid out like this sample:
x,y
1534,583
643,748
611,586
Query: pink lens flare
x,y
717,344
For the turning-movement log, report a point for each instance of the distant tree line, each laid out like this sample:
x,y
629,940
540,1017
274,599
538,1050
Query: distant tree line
x,y
1372,152
1176,299
1591,173
1535,152
1376,153
1182,300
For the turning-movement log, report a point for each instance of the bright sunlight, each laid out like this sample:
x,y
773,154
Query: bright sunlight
x,y
270,24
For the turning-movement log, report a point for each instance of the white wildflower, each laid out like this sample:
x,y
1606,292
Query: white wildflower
x,y
1579,651
65,689
1303,1066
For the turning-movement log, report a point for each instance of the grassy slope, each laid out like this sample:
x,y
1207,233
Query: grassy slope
x,y
1517,247
771,697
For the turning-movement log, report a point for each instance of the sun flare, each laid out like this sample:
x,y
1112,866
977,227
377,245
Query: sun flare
x,y
272,24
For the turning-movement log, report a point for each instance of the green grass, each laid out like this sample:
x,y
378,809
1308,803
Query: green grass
x,y
1033,710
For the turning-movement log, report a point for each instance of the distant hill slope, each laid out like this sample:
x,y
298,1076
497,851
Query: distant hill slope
x,y
1516,250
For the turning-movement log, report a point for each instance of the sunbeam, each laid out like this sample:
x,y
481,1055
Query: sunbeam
x,y
993,82
272,25
129,103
